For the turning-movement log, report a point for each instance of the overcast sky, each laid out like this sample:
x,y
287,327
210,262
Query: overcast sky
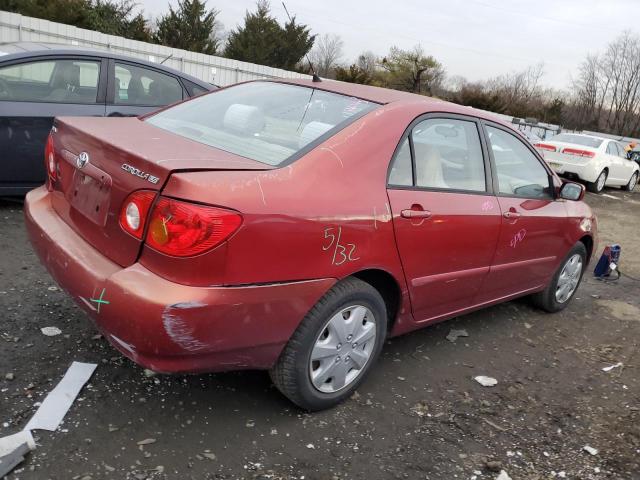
x,y
477,39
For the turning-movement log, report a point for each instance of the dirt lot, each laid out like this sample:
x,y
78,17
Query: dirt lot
x,y
420,414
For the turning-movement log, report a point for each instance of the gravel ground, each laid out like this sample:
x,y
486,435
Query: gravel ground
x,y
419,415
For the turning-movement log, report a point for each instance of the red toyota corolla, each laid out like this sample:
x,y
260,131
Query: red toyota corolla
x,y
294,225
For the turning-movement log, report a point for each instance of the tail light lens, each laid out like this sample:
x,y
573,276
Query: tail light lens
x,y
544,146
185,229
579,153
50,162
134,212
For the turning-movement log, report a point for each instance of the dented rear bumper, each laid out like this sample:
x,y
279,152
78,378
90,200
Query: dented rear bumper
x,y
165,326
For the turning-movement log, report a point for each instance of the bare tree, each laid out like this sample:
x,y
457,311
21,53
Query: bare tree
x,y
326,54
607,91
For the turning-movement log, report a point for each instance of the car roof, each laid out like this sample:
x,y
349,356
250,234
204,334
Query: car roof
x,y
20,50
386,96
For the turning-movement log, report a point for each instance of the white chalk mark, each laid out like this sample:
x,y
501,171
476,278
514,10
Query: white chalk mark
x,y
261,191
59,400
375,218
389,211
334,154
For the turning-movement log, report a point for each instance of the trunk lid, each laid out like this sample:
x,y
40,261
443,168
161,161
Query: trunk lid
x,y
103,160
559,154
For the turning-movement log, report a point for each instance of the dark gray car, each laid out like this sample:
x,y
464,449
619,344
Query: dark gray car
x,y
41,81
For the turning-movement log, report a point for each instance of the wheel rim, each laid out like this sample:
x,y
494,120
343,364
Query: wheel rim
x,y
601,179
343,349
569,278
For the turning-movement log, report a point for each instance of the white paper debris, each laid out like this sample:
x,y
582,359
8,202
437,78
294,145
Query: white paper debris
x,y
9,443
608,369
486,381
455,334
51,331
503,476
590,450
59,400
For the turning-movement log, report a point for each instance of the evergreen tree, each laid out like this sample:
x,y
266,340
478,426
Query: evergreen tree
x,y
262,40
191,27
105,16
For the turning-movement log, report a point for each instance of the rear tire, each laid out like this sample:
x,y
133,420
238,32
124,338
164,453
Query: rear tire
x,y
598,185
633,181
323,364
565,281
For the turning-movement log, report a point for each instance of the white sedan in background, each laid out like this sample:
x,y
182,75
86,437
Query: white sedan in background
x,y
594,160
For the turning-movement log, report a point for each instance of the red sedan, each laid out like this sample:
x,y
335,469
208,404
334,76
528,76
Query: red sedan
x,y
294,225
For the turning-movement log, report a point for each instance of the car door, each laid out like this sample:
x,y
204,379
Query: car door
x,y
616,168
531,241
445,216
32,92
627,167
135,89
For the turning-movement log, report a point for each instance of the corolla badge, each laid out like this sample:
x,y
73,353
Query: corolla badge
x,y
82,159
139,173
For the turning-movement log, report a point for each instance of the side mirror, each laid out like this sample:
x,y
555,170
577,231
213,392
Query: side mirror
x,y
572,191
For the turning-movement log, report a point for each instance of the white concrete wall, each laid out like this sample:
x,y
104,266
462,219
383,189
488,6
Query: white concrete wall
x,y
218,70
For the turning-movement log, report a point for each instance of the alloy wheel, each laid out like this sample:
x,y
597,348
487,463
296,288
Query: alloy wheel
x,y
601,181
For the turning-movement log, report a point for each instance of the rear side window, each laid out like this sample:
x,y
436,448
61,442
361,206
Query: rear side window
x,y
264,121
50,81
447,154
143,86
519,172
611,149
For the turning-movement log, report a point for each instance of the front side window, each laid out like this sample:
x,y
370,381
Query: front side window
x,y
264,121
519,172
55,81
142,86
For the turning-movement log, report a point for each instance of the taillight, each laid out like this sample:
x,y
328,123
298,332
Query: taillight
x,y
185,229
544,146
50,162
134,212
579,153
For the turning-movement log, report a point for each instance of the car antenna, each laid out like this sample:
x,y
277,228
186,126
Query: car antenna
x,y
316,78
166,59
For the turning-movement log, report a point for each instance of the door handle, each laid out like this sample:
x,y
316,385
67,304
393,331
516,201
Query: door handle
x,y
408,213
510,214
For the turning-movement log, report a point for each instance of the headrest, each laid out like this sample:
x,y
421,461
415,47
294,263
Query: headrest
x,y
243,119
313,130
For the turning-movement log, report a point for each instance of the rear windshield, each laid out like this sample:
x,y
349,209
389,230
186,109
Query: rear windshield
x,y
264,121
578,140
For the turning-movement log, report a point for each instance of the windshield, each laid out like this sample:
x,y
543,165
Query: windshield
x,y
578,139
264,121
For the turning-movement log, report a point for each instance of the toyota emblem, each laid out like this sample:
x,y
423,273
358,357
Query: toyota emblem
x,y
82,159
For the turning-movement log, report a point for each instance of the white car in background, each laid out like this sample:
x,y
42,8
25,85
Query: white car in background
x,y
594,160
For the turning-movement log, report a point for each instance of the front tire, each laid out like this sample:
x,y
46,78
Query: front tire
x,y
565,281
632,183
598,185
334,347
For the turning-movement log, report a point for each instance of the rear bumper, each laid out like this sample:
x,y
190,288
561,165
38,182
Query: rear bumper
x,y
583,171
165,326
